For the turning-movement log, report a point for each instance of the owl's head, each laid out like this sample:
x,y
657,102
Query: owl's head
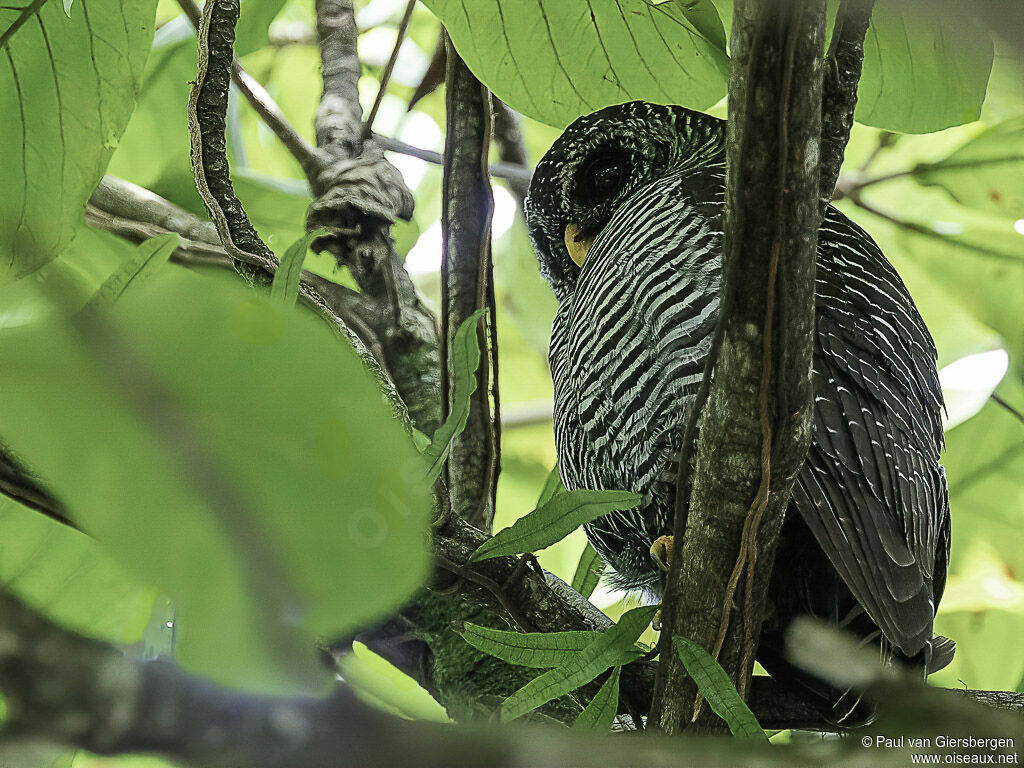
x,y
597,164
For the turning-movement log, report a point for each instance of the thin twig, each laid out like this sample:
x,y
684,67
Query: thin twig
x,y
507,171
385,77
852,187
920,229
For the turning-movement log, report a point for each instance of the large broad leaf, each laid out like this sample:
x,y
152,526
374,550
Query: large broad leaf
x,y
986,172
984,460
555,60
923,71
66,575
236,454
67,89
983,266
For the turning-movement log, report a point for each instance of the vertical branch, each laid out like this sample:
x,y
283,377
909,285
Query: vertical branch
x,y
756,426
839,94
467,284
358,196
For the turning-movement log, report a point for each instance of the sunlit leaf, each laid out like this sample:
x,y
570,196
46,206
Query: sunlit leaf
x,y
611,648
232,452
599,714
588,572
67,89
554,60
552,522
465,361
923,71
717,689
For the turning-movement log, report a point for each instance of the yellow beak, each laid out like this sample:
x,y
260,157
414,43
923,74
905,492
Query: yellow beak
x,y
576,245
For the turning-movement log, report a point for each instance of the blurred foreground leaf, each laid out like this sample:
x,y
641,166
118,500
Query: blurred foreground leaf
x,y
232,452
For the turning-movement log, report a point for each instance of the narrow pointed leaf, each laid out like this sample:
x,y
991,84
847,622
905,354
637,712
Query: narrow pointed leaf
x,y
552,522
588,572
148,257
285,288
552,487
611,648
600,712
540,650
465,361
717,689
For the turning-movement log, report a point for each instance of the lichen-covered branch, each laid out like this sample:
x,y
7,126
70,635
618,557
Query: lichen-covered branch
x,y
467,285
756,427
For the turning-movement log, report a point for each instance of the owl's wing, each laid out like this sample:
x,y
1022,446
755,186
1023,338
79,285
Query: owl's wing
x,y
872,490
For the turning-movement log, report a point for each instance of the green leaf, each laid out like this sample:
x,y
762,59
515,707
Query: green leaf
x,y
540,650
554,60
465,361
717,689
67,89
68,577
254,23
552,522
923,71
600,713
986,172
285,288
234,453
149,256
611,648
982,266
588,572
552,486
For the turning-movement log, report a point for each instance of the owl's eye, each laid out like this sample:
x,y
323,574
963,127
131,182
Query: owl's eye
x,y
602,177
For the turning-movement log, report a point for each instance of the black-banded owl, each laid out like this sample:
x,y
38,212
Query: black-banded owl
x,y
625,212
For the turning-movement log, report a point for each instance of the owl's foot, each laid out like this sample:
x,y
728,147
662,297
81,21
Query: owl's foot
x,y
661,551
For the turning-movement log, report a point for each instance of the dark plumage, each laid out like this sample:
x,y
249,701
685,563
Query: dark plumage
x,y
866,539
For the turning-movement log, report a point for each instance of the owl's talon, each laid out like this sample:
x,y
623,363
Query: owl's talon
x,y
661,551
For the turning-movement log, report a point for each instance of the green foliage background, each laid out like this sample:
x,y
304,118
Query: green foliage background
x,y
948,211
